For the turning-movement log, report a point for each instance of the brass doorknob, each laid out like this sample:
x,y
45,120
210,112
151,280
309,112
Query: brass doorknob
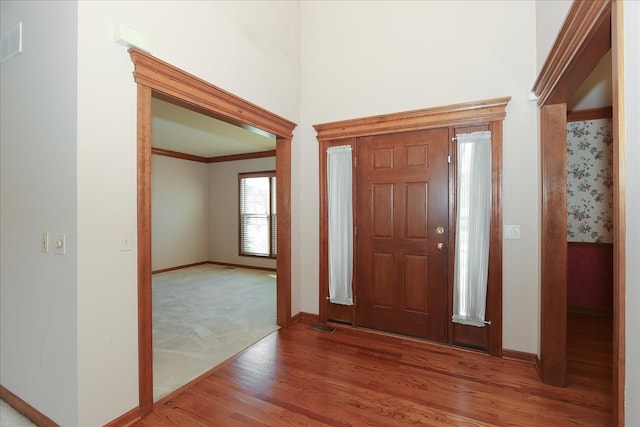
x,y
440,230
440,246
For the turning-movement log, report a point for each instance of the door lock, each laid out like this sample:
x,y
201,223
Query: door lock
x,y
440,246
440,230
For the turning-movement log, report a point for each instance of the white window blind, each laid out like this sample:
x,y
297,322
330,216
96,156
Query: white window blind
x,y
258,225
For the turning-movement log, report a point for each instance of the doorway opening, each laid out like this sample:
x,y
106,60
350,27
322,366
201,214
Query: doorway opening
x,y
159,79
589,32
205,312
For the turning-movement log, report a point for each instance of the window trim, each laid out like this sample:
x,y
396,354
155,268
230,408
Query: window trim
x,y
271,174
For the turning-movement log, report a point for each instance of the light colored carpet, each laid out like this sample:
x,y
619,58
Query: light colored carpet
x,y
11,417
205,314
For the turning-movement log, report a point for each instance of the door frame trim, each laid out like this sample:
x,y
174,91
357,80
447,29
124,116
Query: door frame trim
x,y
589,31
156,78
491,112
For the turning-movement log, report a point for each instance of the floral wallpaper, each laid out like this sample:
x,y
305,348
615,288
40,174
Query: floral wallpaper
x,y
590,181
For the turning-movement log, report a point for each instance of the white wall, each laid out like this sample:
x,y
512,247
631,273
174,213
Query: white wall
x,y
179,212
38,336
632,112
223,210
382,57
247,48
550,15
358,59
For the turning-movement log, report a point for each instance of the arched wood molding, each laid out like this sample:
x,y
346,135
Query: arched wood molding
x,y
582,42
589,31
489,112
159,79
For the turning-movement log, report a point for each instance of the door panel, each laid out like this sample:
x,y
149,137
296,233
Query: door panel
x,y
416,289
401,199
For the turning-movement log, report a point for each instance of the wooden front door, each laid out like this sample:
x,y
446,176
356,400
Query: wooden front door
x,y
402,218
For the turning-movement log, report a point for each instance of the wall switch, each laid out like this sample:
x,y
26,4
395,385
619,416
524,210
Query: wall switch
x,y
44,242
59,244
512,232
126,241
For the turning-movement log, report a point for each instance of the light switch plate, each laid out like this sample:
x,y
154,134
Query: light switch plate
x,y
126,241
512,232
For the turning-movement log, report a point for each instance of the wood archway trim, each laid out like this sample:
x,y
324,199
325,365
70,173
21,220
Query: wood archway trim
x,y
489,112
178,85
589,31
156,78
583,40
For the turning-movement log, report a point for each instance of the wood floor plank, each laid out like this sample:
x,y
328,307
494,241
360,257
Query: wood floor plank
x,y
304,377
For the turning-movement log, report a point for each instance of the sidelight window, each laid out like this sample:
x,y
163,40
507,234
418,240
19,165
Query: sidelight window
x,y
472,228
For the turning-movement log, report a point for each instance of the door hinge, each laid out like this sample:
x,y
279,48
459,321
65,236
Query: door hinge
x,y
355,231
449,159
355,161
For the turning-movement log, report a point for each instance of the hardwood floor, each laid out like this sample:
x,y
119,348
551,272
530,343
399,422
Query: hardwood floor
x,y
302,376
590,350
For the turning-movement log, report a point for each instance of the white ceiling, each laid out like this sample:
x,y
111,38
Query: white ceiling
x,y
179,129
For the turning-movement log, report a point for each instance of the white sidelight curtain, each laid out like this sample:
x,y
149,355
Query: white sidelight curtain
x,y
340,231
472,228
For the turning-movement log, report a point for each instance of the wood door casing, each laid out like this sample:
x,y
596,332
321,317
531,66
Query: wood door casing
x,y
468,114
401,199
155,78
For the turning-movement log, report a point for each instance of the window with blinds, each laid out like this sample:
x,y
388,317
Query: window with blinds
x,y
258,225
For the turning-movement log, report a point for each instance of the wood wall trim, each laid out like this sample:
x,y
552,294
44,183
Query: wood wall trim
x,y
283,208
494,306
126,419
177,155
519,355
583,40
179,267
156,78
175,83
619,215
37,417
217,159
590,114
145,327
245,156
304,316
553,308
469,113
251,267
